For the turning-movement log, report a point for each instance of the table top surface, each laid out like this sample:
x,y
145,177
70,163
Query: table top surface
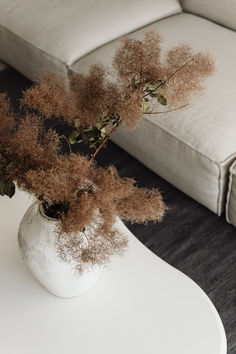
x,y
139,305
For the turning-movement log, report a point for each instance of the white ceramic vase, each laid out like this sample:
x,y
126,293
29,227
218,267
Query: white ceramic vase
x,y
37,239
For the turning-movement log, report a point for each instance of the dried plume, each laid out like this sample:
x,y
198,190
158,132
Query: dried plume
x,y
90,198
85,198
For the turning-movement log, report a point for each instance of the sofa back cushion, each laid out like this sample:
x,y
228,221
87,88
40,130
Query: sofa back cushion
x,y
219,11
54,34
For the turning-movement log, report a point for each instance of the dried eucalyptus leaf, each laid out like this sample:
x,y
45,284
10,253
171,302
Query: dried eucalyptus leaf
x,y
99,125
153,86
162,100
92,146
73,137
77,123
145,108
153,94
90,127
7,188
162,89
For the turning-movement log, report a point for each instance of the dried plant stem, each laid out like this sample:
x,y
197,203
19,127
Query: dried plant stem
x,y
107,138
64,137
169,110
168,78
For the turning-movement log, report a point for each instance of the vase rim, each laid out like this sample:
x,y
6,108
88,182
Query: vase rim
x,y
45,216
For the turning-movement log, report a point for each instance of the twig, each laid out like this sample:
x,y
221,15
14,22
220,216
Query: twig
x,y
64,137
168,78
119,123
107,138
169,110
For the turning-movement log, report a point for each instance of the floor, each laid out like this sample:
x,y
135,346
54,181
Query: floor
x,y
191,238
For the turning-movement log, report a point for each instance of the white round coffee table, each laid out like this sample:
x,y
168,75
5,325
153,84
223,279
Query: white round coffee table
x,y
139,305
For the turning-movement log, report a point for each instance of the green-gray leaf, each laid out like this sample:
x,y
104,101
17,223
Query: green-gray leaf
x,y
73,136
90,127
7,188
162,100
145,108
99,125
77,123
153,94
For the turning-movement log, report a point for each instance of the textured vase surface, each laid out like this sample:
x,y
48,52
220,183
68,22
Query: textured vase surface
x,y
37,239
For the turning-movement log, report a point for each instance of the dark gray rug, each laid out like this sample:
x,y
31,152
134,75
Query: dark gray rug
x,y
191,238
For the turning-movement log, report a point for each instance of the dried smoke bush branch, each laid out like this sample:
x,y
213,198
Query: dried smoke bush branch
x,y
51,97
106,194
151,202
95,94
94,250
86,198
146,80
74,190
132,112
139,60
7,117
29,147
86,189
188,82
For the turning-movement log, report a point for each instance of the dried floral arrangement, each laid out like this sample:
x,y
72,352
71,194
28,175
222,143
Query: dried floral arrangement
x,y
70,185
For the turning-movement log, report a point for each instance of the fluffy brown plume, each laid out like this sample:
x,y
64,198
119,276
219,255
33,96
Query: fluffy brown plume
x,y
95,94
50,96
177,75
139,60
85,198
7,117
189,80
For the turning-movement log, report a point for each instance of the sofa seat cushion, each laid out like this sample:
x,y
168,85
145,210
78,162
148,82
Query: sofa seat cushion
x,y
191,148
231,196
53,34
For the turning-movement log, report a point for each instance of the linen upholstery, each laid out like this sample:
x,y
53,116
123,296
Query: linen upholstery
x,y
231,196
52,34
220,11
191,148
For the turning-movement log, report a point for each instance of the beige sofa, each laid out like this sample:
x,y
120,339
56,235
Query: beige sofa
x,y
192,148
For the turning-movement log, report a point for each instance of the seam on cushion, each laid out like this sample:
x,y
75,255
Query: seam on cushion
x,y
228,158
69,64
227,206
219,198
229,171
32,45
